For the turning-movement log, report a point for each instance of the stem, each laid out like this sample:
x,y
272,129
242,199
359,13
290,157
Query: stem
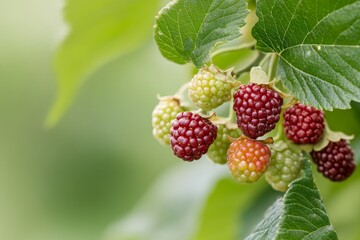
x,y
264,60
279,128
184,102
256,62
291,102
273,66
233,48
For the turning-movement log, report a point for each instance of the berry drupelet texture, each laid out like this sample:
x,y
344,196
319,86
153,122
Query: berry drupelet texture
x,y
217,151
303,124
335,161
163,116
191,136
257,109
248,159
285,167
211,87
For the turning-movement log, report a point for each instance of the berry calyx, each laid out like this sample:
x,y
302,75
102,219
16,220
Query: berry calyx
x,y
191,135
257,109
211,87
303,124
335,161
163,116
248,159
217,151
285,166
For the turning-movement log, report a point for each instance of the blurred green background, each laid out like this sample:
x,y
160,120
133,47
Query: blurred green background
x,y
73,181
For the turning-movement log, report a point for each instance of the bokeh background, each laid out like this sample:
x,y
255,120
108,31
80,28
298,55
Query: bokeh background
x,y
73,181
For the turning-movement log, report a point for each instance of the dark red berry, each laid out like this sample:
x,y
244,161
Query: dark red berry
x,y
257,109
191,135
335,161
303,124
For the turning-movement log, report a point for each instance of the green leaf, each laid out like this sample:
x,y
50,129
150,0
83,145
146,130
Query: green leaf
x,y
188,30
300,214
219,217
318,43
99,31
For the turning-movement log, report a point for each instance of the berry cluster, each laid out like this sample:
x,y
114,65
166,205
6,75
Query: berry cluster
x,y
258,109
306,125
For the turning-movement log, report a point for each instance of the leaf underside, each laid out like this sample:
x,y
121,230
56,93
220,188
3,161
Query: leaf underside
x,y
300,214
318,42
188,30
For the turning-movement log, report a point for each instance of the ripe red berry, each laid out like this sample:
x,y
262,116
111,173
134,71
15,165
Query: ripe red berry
x,y
335,161
257,109
248,159
191,135
303,124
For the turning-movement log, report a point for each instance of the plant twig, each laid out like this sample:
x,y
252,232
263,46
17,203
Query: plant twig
x,y
273,66
256,62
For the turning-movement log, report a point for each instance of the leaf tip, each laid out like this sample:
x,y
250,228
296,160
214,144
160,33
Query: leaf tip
x,y
56,112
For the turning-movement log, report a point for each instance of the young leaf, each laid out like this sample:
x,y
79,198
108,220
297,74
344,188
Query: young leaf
x,y
318,43
300,214
99,32
187,30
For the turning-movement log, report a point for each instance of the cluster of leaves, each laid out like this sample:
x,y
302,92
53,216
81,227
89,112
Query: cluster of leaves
x,y
317,45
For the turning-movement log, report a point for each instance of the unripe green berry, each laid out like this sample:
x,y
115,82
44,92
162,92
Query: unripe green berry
x,y
163,116
217,151
211,87
285,166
